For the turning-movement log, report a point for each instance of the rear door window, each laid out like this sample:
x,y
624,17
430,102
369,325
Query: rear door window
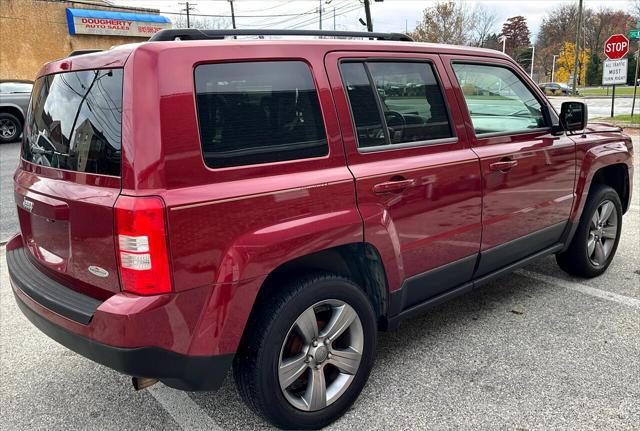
x,y
395,103
258,112
75,122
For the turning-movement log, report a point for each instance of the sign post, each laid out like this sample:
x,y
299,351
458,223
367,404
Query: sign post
x,y
635,82
635,34
615,68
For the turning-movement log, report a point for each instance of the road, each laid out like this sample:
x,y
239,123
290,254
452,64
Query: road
x,y
8,161
600,107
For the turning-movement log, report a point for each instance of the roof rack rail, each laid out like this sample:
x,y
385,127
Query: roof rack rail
x,y
195,34
83,51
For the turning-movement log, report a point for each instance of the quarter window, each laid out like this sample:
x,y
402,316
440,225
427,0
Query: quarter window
x,y
407,105
497,100
258,112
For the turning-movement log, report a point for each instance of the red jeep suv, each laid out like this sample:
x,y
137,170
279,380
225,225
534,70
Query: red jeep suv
x,y
192,203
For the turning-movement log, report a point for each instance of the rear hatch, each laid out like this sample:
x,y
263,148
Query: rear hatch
x,y
69,177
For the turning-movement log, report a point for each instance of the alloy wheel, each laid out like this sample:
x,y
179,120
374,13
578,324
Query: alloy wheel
x,y
320,355
7,128
603,231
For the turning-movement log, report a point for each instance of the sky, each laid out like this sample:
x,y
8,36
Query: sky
x,y
388,16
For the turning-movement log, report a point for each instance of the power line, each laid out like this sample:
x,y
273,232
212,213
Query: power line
x,y
291,21
271,23
307,22
188,8
282,3
240,16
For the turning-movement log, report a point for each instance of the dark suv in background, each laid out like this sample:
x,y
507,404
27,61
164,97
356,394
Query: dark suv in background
x,y
191,204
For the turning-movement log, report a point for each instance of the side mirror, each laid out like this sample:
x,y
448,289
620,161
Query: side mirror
x,y
573,116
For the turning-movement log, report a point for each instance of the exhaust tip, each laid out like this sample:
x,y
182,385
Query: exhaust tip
x,y
140,383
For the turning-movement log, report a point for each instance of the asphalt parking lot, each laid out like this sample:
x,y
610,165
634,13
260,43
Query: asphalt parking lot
x,y
533,350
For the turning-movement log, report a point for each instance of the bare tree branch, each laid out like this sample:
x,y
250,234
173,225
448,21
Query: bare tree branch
x,y
485,21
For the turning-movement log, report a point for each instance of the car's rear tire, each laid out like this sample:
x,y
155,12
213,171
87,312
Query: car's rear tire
x,y
596,239
284,369
10,128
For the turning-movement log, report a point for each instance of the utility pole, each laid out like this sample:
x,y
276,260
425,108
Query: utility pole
x,y
334,18
553,68
320,12
575,63
504,43
533,56
367,12
233,16
188,7
635,81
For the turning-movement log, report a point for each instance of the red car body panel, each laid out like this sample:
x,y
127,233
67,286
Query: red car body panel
x,y
539,191
229,228
433,223
71,224
599,147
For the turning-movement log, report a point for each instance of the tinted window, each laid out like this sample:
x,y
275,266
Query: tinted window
x,y
15,87
364,108
412,101
75,121
497,100
258,112
408,94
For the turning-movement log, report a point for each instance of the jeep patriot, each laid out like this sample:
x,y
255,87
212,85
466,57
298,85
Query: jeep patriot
x,y
194,203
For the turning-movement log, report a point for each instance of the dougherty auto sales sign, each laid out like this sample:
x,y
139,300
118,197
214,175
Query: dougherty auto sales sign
x,y
117,27
103,22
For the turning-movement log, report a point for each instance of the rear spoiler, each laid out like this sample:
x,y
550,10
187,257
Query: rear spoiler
x,y
83,51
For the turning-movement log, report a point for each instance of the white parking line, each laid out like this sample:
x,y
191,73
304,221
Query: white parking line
x,y
583,288
183,409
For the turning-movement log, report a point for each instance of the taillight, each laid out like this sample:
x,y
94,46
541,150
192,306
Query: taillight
x,y
142,245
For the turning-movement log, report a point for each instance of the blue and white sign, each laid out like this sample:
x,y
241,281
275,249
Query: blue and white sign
x,y
111,23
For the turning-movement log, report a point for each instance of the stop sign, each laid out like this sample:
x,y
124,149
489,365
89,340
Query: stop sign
x,y
616,46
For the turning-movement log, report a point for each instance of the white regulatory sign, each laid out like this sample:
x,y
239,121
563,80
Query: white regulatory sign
x,y
614,72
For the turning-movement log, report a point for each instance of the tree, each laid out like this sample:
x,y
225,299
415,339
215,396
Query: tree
x,y
566,60
492,42
543,67
517,33
445,22
451,22
631,67
484,21
602,24
560,25
201,22
594,71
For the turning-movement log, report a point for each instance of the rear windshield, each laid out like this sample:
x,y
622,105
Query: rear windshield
x,y
75,122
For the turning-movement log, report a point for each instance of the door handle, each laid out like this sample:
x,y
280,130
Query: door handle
x,y
393,186
503,165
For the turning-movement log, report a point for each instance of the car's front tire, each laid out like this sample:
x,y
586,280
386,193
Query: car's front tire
x,y
10,128
307,353
596,239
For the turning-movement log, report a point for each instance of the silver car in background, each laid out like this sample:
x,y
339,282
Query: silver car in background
x,y
14,102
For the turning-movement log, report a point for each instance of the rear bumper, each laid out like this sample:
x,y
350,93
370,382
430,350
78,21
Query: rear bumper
x,y
82,324
190,373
